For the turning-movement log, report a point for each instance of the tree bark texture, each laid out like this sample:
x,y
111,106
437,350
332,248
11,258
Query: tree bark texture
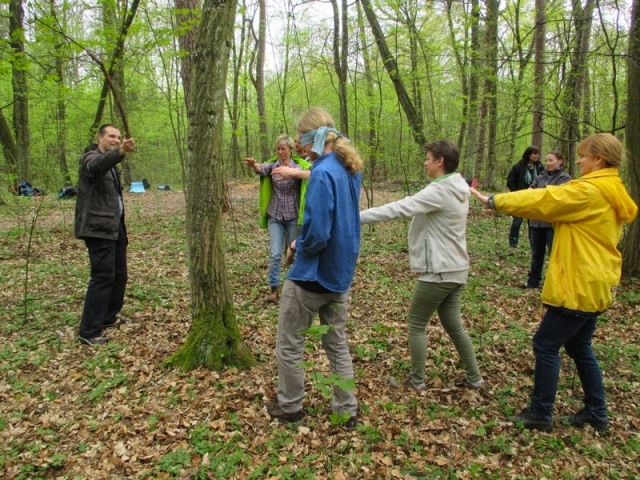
x,y
214,339
538,75
61,107
631,244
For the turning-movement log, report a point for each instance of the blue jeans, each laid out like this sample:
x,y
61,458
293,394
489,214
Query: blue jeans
x,y
514,232
575,332
279,231
541,241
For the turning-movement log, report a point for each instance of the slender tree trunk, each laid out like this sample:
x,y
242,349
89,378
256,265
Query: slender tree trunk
x,y
9,150
238,60
258,79
19,67
214,339
538,75
61,107
340,45
390,64
491,90
461,61
631,243
471,149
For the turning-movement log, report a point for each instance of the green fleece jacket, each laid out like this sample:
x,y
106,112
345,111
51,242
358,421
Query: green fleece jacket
x,y
266,190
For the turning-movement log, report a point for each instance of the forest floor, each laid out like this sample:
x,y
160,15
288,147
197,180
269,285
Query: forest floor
x,y
68,411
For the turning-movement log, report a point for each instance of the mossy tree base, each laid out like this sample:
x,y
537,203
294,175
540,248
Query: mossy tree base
x,y
214,342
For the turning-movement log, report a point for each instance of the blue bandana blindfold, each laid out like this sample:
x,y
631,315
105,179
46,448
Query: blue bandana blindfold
x,y
318,137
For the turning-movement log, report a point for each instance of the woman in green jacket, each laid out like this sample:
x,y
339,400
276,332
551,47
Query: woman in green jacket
x,y
281,204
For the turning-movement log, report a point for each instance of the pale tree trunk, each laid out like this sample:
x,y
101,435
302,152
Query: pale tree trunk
x,y
371,150
257,78
214,340
573,89
461,62
340,45
390,64
631,243
471,147
537,134
186,15
61,108
238,61
19,67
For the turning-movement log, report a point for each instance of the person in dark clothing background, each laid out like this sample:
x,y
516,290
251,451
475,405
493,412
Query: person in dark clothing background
x,y
99,221
520,177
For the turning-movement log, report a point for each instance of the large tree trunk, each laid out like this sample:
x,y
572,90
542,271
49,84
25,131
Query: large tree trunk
x,y
390,64
20,89
631,244
538,75
214,339
9,150
573,89
186,15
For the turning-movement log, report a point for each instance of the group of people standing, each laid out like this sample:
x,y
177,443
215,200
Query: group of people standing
x,y
310,202
585,266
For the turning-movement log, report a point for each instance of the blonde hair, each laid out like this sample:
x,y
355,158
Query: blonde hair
x,y
285,140
604,145
316,118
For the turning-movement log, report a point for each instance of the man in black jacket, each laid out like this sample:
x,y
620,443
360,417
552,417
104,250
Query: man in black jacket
x,y
520,177
99,221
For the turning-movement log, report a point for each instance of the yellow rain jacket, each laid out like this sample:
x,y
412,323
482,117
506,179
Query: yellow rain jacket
x,y
587,216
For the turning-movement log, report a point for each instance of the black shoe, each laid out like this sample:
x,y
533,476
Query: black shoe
x,y
582,418
117,322
528,421
274,410
93,341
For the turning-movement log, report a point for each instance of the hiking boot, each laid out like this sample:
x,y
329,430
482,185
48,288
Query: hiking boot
x,y
274,296
466,383
408,383
93,341
528,421
117,322
581,418
274,410
347,424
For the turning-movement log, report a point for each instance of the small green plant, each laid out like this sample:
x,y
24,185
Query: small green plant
x,y
174,462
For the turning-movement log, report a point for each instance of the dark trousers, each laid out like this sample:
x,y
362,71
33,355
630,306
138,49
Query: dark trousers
x,y
541,241
575,332
105,293
514,232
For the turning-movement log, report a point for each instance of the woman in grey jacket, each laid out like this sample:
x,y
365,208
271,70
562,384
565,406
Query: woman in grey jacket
x,y
541,233
438,252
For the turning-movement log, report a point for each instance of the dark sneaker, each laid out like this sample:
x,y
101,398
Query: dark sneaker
x,y
466,383
93,341
351,423
408,383
274,410
341,420
583,418
528,421
117,322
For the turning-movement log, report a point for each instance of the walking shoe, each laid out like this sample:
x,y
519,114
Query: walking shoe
x,y
528,421
117,322
93,341
581,418
274,296
343,420
408,383
274,410
466,383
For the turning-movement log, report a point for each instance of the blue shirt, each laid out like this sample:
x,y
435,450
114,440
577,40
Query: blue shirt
x,y
329,242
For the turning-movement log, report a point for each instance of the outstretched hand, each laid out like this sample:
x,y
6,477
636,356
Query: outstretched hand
x,y
484,199
252,164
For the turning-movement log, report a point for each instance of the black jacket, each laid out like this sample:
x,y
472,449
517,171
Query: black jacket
x,y
98,205
517,179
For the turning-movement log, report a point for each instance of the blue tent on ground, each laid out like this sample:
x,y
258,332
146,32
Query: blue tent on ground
x,y
137,187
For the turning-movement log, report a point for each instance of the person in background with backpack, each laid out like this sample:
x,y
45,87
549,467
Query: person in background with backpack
x,y
520,177
99,221
281,204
